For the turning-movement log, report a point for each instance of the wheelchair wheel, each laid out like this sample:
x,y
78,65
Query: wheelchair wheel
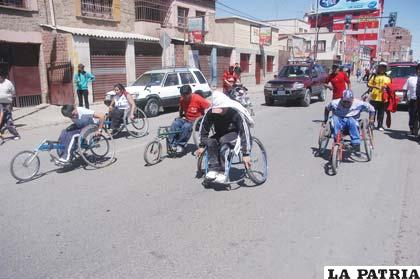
x,y
196,131
25,165
324,138
97,151
139,126
335,158
367,139
258,171
153,153
201,165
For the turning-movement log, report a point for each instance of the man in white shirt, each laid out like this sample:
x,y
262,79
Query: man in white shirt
x,y
412,92
7,92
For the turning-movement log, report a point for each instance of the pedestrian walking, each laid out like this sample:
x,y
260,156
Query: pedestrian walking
x,y
358,74
339,82
411,93
238,70
380,83
7,92
82,79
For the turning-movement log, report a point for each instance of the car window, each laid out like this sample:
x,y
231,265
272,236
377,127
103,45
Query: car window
x,y
403,71
187,78
200,77
171,80
152,79
294,71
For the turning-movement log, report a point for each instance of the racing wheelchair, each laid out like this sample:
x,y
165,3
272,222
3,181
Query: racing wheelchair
x,y
137,127
97,151
234,170
341,145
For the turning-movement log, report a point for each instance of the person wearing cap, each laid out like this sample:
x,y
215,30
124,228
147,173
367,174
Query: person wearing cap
x,y
81,117
229,79
345,115
230,121
412,94
339,82
82,79
191,107
379,83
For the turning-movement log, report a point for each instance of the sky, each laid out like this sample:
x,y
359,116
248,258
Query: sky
x,y
272,9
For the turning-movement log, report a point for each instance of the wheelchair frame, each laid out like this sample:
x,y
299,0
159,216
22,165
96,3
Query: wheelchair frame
x,y
126,122
163,134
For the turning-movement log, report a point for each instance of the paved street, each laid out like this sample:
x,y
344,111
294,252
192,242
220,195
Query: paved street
x,y
132,221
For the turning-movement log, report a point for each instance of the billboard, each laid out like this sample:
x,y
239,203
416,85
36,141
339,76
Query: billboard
x,y
265,36
196,30
255,35
327,6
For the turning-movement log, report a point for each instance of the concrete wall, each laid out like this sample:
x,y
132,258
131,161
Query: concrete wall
x,y
24,20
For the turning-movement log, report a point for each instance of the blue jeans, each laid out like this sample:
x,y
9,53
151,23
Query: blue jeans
x,y
348,124
185,128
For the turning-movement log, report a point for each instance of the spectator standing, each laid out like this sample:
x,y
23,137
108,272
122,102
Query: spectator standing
x,y
82,79
7,92
411,93
339,82
238,70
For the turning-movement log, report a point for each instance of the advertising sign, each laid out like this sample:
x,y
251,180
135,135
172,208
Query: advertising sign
x,y
196,30
255,35
265,36
327,6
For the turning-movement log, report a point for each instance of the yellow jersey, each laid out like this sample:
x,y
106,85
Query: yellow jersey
x,y
378,80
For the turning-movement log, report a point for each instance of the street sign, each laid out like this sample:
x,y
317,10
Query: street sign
x,y
265,36
196,30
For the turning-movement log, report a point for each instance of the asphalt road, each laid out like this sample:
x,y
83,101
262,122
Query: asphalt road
x,y
132,221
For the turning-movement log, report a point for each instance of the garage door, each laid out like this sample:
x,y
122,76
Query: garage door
x,y
108,65
223,63
204,57
148,57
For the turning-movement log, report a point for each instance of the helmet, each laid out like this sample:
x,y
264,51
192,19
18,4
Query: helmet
x,y
383,64
348,95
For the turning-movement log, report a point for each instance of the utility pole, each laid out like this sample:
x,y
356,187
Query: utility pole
x,y
317,31
185,39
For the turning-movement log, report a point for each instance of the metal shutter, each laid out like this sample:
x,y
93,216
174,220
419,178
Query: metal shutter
x,y
204,54
223,63
148,57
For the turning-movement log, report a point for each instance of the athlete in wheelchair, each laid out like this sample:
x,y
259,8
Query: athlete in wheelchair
x,y
232,139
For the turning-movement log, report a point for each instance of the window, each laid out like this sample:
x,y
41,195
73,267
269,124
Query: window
x,y
200,77
355,26
200,14
322,46
172,80
154,79
182,16
151,11
187,78
308,45
270,63
13,3
300,30
294,71
97,8
244,63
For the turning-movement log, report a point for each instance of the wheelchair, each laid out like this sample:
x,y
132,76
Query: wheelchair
x,y
234,170
196,131
137,127
97,151
341,145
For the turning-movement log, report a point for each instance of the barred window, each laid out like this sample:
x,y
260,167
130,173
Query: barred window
x,y
14,3
97,8
151,10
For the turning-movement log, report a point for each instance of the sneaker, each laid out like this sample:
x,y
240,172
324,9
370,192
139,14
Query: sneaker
x,y
63,161
179,149
381,129
220,178
211,175
16,138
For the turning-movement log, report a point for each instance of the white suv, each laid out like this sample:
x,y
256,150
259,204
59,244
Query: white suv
x,y
158,89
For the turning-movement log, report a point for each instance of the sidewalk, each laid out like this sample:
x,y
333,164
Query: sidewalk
x,y
45,115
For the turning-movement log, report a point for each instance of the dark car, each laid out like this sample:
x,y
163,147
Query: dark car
x,y
296,82
399,73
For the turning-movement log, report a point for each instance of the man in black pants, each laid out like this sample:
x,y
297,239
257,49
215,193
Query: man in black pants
x,y
229,121
411,92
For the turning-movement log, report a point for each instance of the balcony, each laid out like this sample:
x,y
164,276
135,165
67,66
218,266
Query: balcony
x,y
155,11
20,4
101,9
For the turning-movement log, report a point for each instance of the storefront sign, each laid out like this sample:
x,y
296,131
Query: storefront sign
x,y
196,30
265,36
327,6
255,35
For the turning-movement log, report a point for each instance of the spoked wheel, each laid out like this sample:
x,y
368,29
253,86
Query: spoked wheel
x,y
201,165
153,153
139,126
25,165
324,138
97,151
258,171
335,158
367,139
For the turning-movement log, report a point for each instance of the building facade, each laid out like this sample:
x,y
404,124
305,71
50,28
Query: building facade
x,y
396,45
258,61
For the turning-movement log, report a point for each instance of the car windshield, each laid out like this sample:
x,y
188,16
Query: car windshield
x,y
294,71
152,79
403,71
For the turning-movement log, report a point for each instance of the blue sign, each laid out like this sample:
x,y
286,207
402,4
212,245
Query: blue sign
x,y
327,6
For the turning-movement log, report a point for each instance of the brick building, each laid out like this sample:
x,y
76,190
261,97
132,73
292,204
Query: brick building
x,y
396,44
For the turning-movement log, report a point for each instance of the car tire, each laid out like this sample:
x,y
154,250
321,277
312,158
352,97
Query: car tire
x,y
321,96
306,100
269,101
152,107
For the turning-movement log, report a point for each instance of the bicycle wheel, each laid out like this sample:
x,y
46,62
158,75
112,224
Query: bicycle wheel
x,y
324,138
153,153
25,165
139,126
97,151
367,141
258,171
335,158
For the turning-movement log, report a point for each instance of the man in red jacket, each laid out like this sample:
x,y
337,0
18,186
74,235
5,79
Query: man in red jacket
x,y
339,82
229,79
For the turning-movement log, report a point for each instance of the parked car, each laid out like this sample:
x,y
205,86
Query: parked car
x,y
296,82
400,72
156,90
